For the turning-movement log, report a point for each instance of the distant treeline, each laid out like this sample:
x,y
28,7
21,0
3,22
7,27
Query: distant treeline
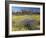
x,y
24,12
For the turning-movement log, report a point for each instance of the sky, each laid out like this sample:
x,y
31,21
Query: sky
x,y
15,9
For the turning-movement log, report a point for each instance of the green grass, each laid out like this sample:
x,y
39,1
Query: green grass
x,y
18,26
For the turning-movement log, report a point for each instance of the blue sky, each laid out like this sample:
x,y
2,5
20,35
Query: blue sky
x,y
15,9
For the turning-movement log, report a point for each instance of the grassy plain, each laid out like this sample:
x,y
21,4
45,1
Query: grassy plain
x,y
17,22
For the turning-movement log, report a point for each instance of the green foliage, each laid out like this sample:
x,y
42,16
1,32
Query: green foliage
x,y
18,26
